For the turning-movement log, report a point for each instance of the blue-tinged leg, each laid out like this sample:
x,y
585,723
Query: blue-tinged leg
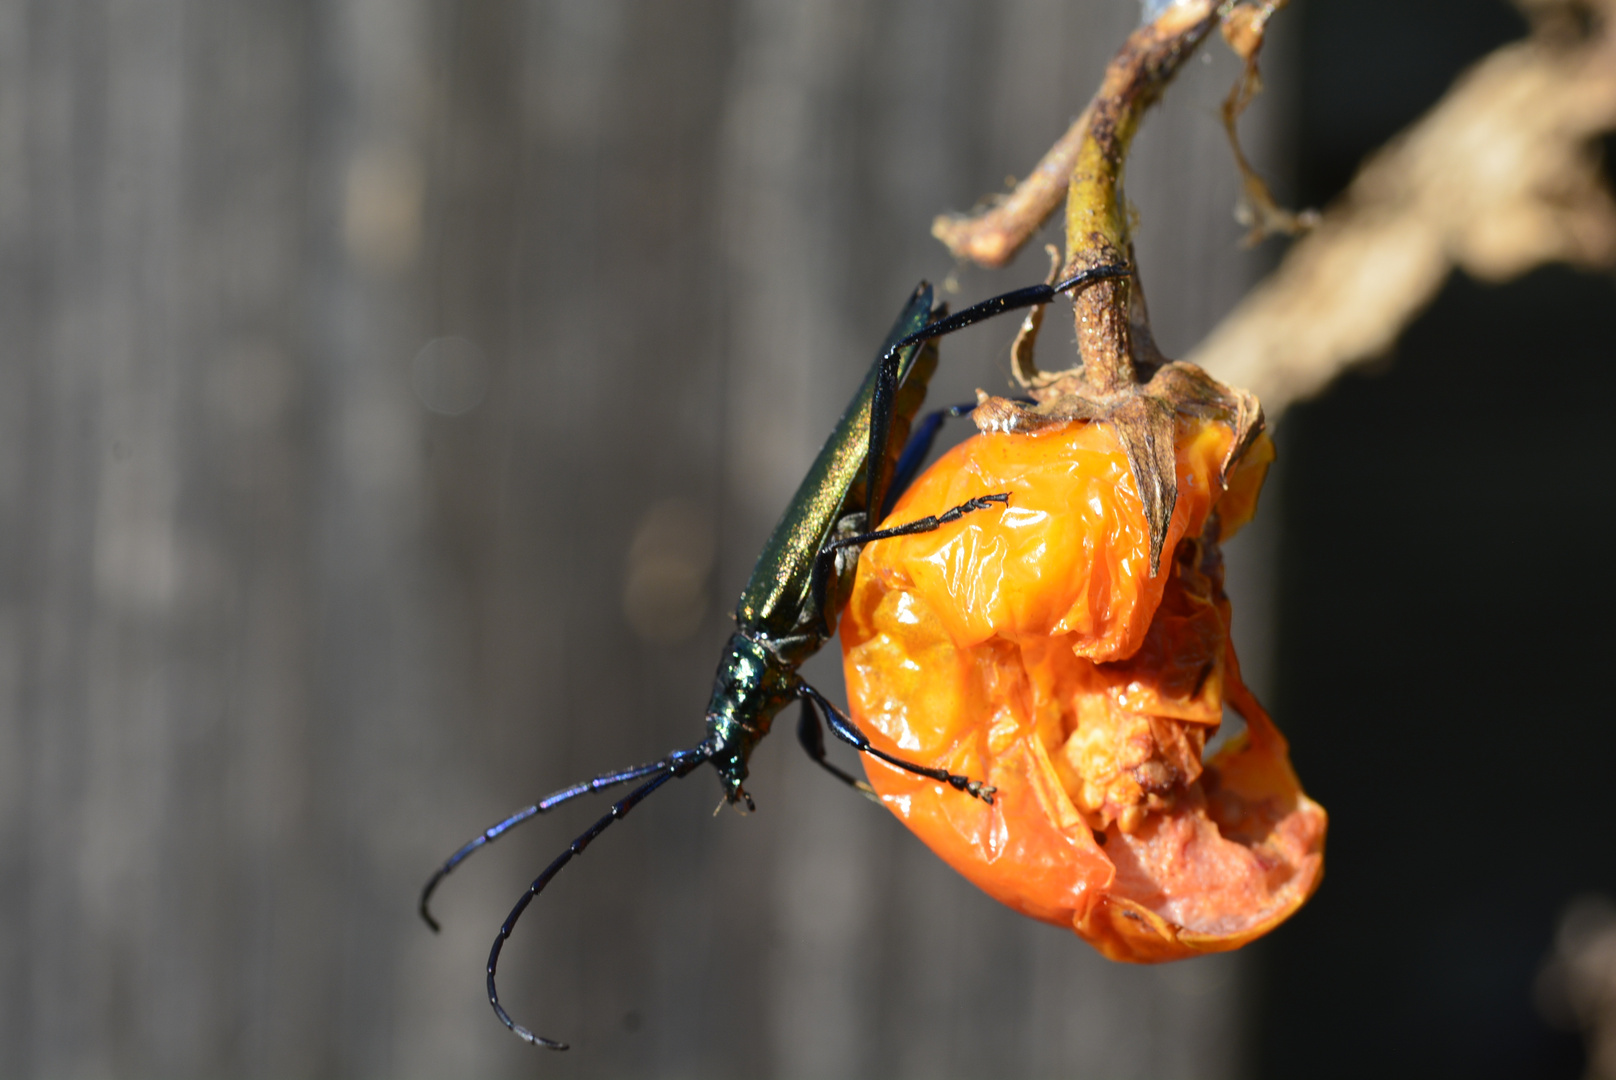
x,y
825,561
886,383
920,525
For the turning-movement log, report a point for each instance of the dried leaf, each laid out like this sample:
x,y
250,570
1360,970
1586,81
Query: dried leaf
x,y
1243,28
1502,176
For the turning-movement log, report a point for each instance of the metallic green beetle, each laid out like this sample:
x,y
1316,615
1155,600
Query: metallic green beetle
x,y
797,589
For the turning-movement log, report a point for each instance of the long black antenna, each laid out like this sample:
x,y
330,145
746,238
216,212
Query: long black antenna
x,y
549,802
678,764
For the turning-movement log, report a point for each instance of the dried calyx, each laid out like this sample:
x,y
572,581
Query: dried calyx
x,y
1123,379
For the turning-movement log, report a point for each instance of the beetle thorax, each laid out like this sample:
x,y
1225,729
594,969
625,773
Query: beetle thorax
x,y
751,686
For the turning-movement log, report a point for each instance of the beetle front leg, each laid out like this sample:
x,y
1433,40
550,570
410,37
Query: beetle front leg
x,y
877,473
842,726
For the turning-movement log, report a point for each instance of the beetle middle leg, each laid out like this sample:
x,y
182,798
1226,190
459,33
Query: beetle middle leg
x,y
919,525
826,566
842,726
915,452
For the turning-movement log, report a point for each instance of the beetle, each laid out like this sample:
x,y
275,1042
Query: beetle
x,y
791,602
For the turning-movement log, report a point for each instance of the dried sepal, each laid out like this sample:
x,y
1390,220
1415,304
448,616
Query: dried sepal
x,y
1022,364
1144,427
1143,419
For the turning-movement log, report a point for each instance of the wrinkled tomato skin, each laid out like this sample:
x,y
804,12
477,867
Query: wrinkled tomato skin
x,y
1033,648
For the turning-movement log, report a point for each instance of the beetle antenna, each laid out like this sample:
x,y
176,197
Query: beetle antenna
x,y
675,765
549,802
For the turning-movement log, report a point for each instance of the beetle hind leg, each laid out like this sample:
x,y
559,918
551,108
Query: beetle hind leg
x,y
812,737
842,726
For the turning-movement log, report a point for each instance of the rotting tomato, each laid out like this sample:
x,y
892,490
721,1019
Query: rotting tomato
x,y
1034,648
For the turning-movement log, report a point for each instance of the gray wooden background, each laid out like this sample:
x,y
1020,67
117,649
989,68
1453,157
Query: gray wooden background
x,y
393,394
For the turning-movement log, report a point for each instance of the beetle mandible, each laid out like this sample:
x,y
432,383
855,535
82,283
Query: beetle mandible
x,y
790,605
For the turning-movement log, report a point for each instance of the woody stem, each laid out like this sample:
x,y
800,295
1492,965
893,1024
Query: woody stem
x,y
1096,212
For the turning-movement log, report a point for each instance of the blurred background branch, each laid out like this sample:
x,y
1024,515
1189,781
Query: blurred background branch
x,y
1503,175
1576,988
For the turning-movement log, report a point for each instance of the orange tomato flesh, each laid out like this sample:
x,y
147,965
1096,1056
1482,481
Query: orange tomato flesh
x,y
1032,648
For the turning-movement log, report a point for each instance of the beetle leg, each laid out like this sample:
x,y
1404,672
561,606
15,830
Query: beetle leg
x,y
842,726
919,447
877,473
877,483
549,802
919,525
812,737
825,564
881,405
1031,296
1022,365
830,567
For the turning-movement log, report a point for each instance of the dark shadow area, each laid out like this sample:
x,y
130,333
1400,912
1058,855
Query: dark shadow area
x,y
1372,67
1444,636
1442,655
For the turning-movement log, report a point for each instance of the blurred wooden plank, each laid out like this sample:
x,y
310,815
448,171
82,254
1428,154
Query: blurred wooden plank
x,y
277,636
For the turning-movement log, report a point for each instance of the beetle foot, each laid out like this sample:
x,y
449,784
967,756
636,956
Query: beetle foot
x,y
974,788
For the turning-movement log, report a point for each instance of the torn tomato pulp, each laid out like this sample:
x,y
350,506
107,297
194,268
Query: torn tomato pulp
x,y
1032,648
